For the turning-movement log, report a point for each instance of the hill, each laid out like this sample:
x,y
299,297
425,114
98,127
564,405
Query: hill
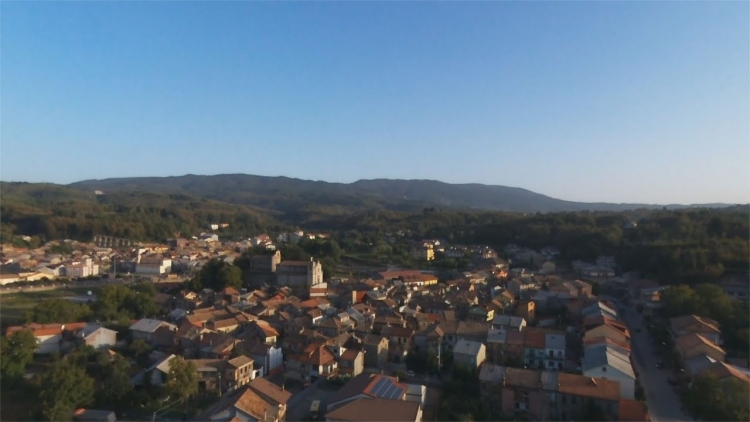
x,y
287,194
55,211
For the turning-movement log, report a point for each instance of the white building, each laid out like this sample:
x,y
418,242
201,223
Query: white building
x,y
82,268
603,361
153,266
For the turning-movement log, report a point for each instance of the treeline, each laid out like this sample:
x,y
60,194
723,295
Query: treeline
x,y
55,212
685,246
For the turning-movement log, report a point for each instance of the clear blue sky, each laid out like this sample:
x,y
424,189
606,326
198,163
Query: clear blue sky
x,y
590,101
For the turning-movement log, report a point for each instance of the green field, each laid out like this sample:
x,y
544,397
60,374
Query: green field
x,y
13,306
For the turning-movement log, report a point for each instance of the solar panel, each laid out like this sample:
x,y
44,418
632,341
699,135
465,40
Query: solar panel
x,y
397,393
378,386
387,391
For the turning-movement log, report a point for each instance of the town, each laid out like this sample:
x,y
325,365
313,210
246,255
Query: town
x,y
201,328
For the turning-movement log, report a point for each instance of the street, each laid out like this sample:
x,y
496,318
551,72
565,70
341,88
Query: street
x,y
663,401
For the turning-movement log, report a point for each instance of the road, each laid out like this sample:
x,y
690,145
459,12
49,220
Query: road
x,y
663,401
44,286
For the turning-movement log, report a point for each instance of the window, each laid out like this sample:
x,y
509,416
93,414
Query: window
x,y
551,354
559,353
564,398
573,400
604,369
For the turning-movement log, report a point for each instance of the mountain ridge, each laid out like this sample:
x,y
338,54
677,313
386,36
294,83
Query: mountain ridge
x,y
275,192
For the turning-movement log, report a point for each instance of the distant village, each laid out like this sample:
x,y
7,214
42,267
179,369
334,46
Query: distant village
x,y
545,339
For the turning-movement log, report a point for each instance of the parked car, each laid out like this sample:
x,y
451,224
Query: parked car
x,y
659,365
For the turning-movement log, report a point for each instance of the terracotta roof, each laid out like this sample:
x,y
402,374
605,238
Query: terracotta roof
x,y
316,354
525,378
361,384
397,331
253,404
534,339
350,354
240,361
683,322
270,391
579,385
721,370
605,340
632,411
688,341
375,409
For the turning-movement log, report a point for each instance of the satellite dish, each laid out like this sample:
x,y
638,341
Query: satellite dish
x,y
89,292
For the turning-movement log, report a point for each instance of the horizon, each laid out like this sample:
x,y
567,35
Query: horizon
x,y
636,103
378,178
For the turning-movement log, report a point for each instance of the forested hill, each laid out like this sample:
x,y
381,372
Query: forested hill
x,y
287,194
54,212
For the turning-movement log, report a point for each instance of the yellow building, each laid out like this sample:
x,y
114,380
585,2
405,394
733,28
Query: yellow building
x,y
423,253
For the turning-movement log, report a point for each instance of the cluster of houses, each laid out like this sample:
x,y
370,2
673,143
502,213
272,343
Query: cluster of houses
x,y
697,345
21,264
543,346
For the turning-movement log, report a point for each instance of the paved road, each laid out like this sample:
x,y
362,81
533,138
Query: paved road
x,y
44,286
663,401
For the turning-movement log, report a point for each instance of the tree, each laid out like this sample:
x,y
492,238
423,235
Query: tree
x,y
182,381
59,310
62,389
16,352
216,275
710,399
116,382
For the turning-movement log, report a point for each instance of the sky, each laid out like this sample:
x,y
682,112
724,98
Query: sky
x,y
644,102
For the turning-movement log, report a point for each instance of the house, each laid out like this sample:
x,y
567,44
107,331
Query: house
x,y
471,354
368,386
260,401
48,336
351,362
575,390
268,358
238,371
92,415
156,374
723,371
650,299
606,362
526,309
534,348
554,351
376,409
633,411
691,345
737,287
598,309
505,347
511,391
314,362
376,350
688,324
96,336
509,323
606,327
423,252
145,328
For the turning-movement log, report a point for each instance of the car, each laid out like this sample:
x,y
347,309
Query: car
x,y
659,365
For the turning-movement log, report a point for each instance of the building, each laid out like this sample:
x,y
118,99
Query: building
x,y
83,268
508,323
269,359
316,361
368,386
153,266
96,336
300,274
692,345
423,252
469,353
376,409
602,361
554,351
376,350
145,328
260,401
690,324
526,309
263,268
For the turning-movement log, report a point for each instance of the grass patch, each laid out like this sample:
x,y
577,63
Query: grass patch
x,y
13,307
